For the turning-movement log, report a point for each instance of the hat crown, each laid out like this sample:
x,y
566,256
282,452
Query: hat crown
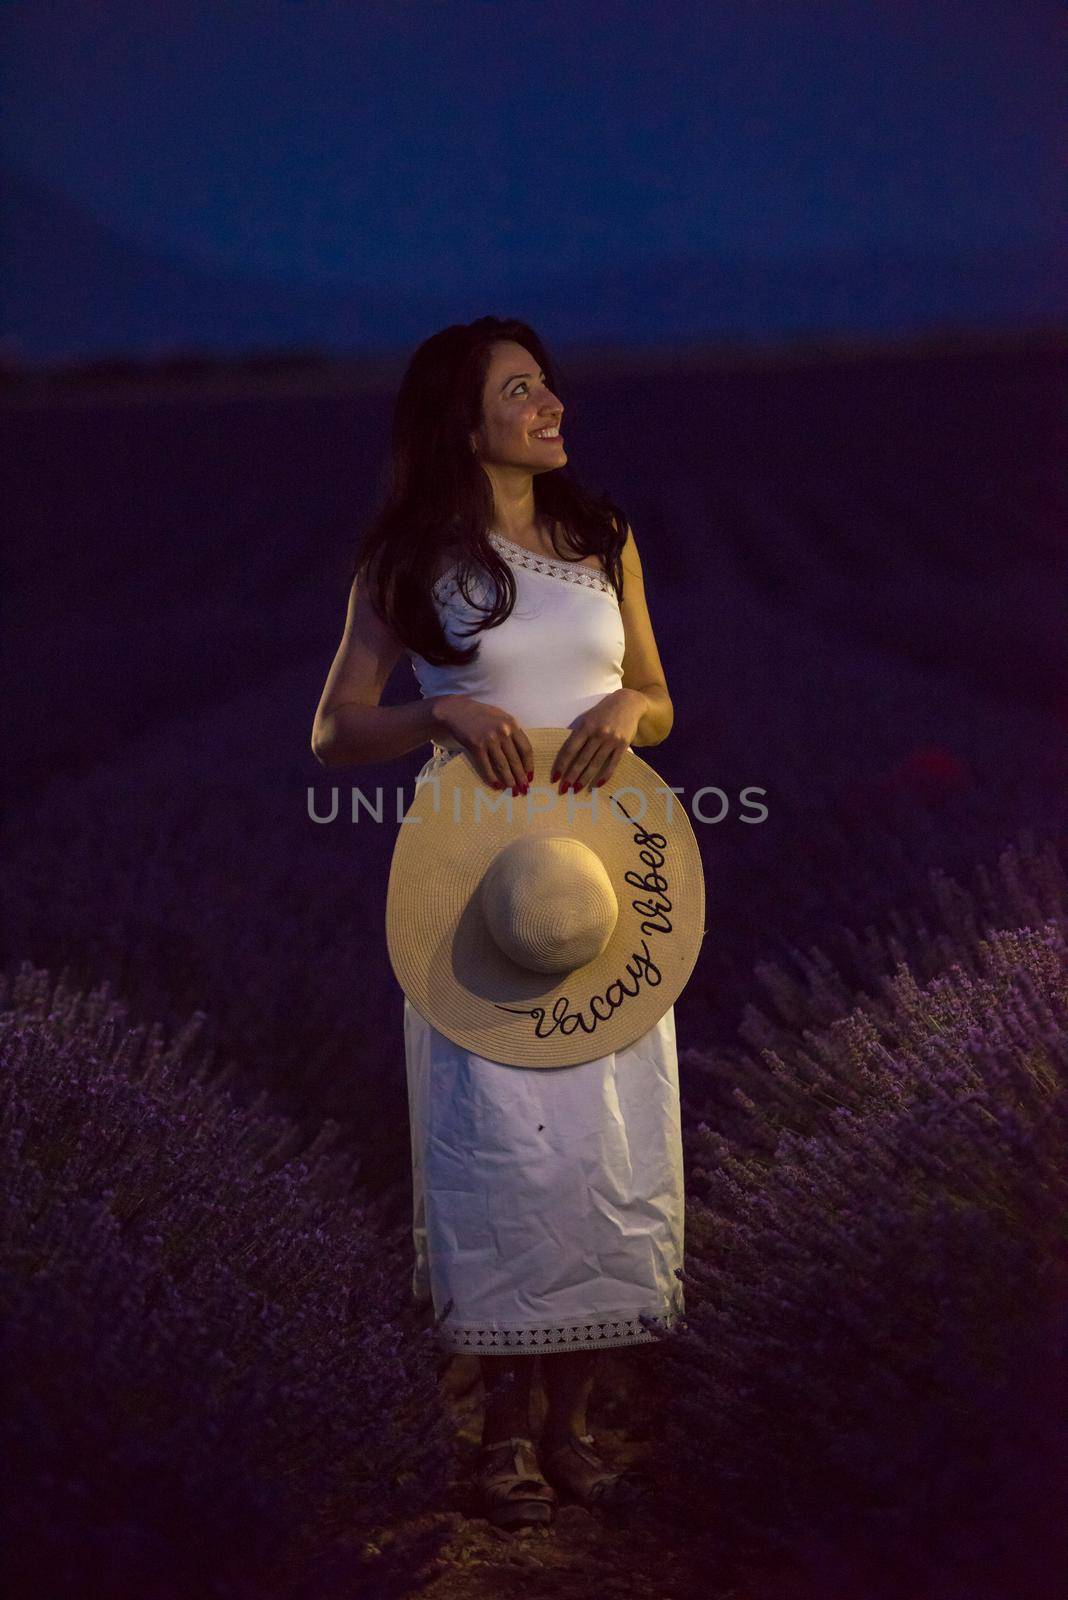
x,y
548,903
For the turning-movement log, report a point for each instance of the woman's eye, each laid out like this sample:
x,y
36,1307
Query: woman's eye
x,y
523,385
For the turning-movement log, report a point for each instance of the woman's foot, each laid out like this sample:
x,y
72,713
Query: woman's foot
x,y
575,1468
513,1491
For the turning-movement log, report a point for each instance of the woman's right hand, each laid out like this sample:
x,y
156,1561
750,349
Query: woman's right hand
x,y
495,741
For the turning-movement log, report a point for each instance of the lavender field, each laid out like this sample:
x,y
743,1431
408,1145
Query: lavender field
x,y
855,567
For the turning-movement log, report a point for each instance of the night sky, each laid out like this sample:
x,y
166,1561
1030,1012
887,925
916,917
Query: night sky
x,y
450,155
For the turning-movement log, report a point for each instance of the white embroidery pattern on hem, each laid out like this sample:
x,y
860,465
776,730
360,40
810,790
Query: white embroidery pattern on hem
x,y
598,1332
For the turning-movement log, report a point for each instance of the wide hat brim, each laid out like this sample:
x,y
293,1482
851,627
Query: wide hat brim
x,y
450,967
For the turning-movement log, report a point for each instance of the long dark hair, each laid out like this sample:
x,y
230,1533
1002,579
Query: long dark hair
x,y
437,497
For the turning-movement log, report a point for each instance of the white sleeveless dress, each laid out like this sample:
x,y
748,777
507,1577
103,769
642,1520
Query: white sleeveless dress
x,y
548,1203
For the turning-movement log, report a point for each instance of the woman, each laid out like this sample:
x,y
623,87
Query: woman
x,y
519,600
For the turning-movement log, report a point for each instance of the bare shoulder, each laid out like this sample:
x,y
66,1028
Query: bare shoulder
x,y
630,559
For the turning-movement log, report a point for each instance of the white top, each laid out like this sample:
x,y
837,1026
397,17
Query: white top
x,y
546,677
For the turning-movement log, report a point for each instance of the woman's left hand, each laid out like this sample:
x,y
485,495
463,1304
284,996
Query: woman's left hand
x,y
591,752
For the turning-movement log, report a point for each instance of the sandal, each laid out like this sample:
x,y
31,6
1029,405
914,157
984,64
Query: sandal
x,y
513,1490
574,1468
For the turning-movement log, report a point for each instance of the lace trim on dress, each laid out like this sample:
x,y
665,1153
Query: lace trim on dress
x,y
551,566
601,1333
447,584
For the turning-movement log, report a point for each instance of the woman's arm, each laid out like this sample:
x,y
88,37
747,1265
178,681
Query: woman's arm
x,y
353,734
657,718
642,670
350,727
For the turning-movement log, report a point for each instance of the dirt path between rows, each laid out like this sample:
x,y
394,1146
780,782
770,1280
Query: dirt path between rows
x,y
583,1553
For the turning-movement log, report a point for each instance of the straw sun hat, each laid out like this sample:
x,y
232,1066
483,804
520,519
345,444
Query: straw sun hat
x,y
544,930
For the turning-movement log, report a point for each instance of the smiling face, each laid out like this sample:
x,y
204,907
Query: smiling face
x,y
516,405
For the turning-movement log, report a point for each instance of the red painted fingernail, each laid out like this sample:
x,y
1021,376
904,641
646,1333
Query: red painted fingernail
x,y
530,777
555,776
600,781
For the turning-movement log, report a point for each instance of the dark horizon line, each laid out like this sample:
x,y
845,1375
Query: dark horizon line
x,y
189,370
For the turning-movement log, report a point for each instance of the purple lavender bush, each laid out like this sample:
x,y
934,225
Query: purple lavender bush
x,y
214,1384
189,892
871,1377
